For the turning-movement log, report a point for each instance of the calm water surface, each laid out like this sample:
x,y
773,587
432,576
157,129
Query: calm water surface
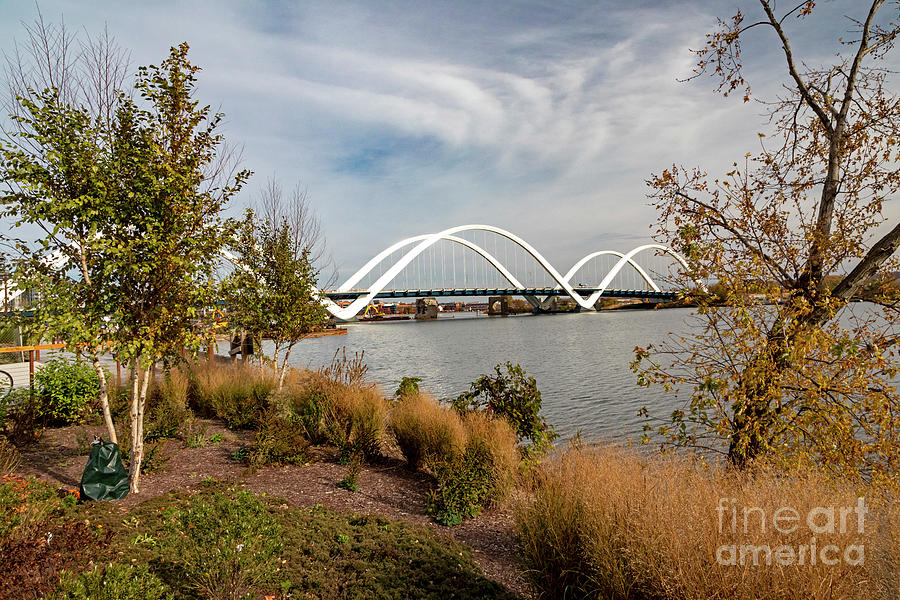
x,y
580,361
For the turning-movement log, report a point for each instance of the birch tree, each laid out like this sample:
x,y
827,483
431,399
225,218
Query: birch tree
x,y
130,200
61,96
175,178
272,293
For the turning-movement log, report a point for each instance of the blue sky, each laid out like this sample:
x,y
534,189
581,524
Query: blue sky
x,y
401,118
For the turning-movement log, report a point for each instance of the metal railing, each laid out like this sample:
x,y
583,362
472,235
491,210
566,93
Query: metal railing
x,y
34,355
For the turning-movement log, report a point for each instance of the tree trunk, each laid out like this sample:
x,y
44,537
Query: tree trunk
x,y
750,429
756,412
140,381
284,366
275,364
104,398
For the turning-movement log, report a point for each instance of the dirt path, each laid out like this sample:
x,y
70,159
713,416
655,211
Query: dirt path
x,y
389,489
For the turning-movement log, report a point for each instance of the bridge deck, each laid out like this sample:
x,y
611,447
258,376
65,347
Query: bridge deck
x,y
545,291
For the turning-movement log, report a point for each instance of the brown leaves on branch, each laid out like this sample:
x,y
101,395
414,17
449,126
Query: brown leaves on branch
x,y
779,362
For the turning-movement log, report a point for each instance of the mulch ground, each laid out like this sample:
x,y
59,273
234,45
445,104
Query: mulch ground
x,y
389,489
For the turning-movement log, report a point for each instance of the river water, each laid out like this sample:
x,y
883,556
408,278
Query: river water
x,y
580,361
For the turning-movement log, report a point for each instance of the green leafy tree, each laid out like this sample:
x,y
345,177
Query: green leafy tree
x,y
169,228
56,173
793,234
131,208
513,396
272,292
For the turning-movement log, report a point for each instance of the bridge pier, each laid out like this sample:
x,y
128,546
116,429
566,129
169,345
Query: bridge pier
x,y
542,307
498,306
533,301
548,305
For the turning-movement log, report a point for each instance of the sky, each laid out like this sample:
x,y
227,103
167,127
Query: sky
x,y
401,118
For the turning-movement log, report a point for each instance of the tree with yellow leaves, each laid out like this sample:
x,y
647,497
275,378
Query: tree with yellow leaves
x,y
786,365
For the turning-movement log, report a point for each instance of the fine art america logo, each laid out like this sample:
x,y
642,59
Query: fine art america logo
x,y
790,523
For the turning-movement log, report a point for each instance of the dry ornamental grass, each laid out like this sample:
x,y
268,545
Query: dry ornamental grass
x,y
605,522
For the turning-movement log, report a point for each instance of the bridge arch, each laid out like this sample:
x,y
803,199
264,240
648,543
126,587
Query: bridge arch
x,y
423,242
583,261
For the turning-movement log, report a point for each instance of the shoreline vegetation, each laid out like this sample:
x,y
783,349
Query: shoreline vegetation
x,y
330,488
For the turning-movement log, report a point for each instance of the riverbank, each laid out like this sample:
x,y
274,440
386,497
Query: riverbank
x,y
389,489
594,516
345,488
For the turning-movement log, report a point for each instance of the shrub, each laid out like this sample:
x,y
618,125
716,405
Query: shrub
x,y
113,582
225,545
65,390
408,387
514,397
9,457
482,473
603,522
279,441
423,428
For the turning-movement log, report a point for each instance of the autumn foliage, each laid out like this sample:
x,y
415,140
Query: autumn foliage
x,y
793,234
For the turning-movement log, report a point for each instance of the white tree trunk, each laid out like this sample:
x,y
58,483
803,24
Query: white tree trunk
x,y
284,366
275,363
140,381
104,398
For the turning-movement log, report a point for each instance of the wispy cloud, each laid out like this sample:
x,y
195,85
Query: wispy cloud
x,y
400,118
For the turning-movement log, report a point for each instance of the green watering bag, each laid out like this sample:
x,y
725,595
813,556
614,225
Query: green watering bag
x,y
104,476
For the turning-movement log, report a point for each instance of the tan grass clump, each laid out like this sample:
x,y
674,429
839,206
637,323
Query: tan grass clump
x,y
472,456
336,404
235,392
606,522
354,419
167,404
495,439
423,428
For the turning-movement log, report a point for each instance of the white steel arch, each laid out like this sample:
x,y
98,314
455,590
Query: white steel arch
x,y
423,242
575,268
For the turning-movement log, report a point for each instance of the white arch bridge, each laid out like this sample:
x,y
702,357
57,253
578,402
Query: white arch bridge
x,y
448,263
